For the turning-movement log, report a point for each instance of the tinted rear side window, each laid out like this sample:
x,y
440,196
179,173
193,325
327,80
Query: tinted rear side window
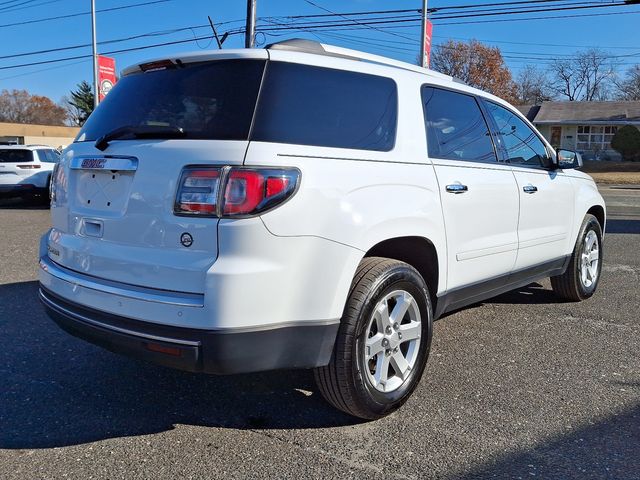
x,y
456,128
307,105
48,156
15,156
213,100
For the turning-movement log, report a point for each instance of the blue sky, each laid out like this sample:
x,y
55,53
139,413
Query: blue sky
x,y
539,40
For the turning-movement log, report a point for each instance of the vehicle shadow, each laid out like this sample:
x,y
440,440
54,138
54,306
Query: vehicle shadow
x,y
532,294
59,391
622,226
609,448
24,204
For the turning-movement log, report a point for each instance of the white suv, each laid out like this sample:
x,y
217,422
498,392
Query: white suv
x,y
25,170
305,206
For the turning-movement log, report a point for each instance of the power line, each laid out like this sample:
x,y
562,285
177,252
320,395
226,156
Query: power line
x,y
388,21
343,16
112,52
117,40
72,15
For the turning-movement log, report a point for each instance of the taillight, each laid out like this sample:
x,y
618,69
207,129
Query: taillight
x,y
245,191
29,166
198,191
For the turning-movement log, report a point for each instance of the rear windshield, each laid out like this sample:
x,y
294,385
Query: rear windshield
x,y
15,156
299,104
213,100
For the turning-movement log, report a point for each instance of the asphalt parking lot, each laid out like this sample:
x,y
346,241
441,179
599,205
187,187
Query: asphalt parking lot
x,y
520,386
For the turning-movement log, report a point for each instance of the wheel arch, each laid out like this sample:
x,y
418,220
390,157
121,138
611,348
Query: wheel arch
x,y
419,252
598,212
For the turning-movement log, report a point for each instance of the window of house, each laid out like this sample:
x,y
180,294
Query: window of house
x,y
592,137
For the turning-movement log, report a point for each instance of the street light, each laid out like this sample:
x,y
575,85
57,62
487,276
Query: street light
x,y
96,94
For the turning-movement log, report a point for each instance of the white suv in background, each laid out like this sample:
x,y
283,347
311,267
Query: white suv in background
x,y
305,206
25,170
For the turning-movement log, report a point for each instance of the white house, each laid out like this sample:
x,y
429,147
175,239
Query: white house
x,y
587,127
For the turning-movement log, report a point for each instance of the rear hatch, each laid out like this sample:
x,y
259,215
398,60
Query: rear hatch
x,y
16,164
113,208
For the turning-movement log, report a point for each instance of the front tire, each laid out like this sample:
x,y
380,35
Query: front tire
x,y
581,279
383,342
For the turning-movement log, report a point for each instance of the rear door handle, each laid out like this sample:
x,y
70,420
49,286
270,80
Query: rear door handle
x,y
530,189
456,188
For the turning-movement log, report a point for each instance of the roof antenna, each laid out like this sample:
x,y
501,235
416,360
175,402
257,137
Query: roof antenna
x,y
215,34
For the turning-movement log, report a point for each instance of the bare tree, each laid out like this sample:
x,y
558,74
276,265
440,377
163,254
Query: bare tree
x,y
629,87
477,65
532,86
588,76
19,106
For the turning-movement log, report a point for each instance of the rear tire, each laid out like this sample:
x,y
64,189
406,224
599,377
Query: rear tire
x,y
581,279
358,380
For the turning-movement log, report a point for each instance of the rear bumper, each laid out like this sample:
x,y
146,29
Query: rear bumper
x,y
19,189
210,351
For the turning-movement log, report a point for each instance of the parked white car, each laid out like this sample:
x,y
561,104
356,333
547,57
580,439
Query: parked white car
x,y
306,206
25,170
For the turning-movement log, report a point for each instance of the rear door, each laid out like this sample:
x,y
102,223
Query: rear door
x,y
113,210
479,195
546,196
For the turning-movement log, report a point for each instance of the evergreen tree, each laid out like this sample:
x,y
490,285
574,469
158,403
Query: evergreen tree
x,y
81,103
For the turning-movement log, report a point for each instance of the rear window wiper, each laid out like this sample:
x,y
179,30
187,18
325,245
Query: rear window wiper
x,y
140,131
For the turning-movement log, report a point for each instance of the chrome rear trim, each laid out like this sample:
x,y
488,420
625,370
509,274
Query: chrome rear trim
x,y
182,299
49,302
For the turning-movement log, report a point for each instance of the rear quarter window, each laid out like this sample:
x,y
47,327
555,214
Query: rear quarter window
x,y
48,156
308,105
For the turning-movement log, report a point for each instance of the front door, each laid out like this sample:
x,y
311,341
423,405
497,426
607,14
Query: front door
x,y
546,196
556,137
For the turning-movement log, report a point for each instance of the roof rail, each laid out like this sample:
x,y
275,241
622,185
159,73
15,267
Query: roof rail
x,y
311,46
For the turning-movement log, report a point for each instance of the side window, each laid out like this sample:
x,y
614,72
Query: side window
x,y
307,105
53,156
48,156
456,128
522,145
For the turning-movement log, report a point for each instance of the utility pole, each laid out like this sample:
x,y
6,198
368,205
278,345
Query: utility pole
x,y
423,56
96,93
250,32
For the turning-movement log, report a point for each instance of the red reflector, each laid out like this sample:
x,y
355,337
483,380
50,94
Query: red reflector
x,y
156,347
276,185
28,167
159,65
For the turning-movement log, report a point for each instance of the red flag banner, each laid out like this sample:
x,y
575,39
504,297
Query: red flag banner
x,y
106,75
427,42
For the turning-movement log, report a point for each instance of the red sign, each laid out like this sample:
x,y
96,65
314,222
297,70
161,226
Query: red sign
x,y
427,43
106,75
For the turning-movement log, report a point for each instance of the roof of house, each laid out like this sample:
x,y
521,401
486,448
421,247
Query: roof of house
x,y
616,113
529,111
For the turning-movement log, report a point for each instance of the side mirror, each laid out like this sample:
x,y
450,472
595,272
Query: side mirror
x,y
568,159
